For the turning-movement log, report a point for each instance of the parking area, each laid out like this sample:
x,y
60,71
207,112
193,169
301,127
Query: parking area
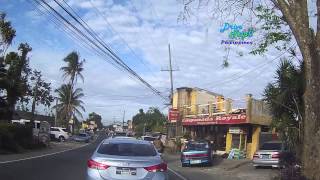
x,y
222,169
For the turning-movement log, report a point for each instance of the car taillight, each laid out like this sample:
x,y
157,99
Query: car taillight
x,y
157,168
196,155
255,156
95,165
275,155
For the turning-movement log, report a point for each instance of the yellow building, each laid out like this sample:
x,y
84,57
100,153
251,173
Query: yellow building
x,y
208,115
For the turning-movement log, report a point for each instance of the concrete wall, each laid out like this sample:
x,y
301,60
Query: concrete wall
x,y
258,112
254,146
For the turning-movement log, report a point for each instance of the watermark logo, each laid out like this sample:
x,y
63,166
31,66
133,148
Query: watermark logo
x,y
237,34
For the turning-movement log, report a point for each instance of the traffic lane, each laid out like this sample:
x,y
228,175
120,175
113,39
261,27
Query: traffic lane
x,y
67,165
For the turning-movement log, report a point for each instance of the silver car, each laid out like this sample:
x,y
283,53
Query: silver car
x,y
269,154
126,158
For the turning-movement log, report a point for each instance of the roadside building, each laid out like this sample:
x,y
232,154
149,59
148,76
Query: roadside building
x,y
231,124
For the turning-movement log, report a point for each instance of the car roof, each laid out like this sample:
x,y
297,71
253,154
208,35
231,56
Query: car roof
x,y
125,140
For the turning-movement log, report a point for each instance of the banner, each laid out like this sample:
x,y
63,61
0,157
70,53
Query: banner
x,y
173,115
219,119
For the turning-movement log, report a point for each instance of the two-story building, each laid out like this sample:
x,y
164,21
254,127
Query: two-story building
x,y
230,124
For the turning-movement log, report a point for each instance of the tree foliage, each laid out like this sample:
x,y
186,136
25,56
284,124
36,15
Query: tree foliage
x,y
96,118
285,99
153,120
69,99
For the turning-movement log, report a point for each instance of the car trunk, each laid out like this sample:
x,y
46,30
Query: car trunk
x,y
127,167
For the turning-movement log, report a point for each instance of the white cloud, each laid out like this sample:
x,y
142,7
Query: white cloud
x,y
196,50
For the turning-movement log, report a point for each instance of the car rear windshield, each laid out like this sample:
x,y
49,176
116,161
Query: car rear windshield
x,y
120,134
197,146
83,135
149,138
127,149
271,146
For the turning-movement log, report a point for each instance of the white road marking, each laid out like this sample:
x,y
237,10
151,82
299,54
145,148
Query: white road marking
x,y
177,174
33,157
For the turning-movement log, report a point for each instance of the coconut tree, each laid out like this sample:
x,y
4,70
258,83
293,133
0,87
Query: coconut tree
x,y
74,68
72,71
70,102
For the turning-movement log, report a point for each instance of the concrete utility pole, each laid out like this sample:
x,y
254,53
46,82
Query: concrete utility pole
x,y
170,72
56,116
171,82
124,114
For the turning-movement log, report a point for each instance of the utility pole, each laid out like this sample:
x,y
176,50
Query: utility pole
x,y
171,87
171,77
124,114
56,116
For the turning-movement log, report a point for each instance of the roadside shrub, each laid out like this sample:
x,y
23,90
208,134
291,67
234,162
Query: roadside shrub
x,y
15,137
291,168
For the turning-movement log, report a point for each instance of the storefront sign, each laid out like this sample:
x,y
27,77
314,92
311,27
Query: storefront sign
x,y
173,115
235,130
220,119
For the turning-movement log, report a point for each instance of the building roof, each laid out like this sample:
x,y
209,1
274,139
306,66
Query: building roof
x,y
200,89
28,115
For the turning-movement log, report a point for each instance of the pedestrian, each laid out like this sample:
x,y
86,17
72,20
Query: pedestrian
x,y
158,144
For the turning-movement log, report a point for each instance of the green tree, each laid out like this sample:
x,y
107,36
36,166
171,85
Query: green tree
x,y
96,118
15,80
153,120
69,99
72,71
285,99
39,91
74,68
7,33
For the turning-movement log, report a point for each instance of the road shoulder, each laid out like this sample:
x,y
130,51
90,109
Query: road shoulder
x,y
54,148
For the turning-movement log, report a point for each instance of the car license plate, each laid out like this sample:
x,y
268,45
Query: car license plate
x,y
264,156
126,171
195,161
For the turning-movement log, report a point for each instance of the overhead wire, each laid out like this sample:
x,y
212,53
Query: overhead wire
x,y
253,69
104,49
116,32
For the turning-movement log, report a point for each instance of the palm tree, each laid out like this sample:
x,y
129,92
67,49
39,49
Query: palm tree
x,y
72,71
74,68
285,99
70,102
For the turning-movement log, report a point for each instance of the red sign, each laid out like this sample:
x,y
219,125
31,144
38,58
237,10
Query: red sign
x,y
219,119
173,115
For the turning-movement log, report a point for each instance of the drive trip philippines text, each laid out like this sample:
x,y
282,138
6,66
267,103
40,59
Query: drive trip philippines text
x,y
236,32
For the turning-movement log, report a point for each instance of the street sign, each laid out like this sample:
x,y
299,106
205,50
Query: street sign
x,y
173,115
218,119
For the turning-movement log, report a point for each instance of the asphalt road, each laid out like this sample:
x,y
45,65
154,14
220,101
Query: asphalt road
x,y
70,165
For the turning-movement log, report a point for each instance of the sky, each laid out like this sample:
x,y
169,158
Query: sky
x,y
139,31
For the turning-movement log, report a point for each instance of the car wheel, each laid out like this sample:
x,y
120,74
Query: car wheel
x,y
61,139
183,165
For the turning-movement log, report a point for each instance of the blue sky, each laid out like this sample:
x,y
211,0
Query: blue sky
x,y
147,26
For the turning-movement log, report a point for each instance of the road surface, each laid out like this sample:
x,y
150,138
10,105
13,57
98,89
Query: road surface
x,y
69,165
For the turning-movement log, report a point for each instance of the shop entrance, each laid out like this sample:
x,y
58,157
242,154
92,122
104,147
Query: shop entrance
x,y
239,138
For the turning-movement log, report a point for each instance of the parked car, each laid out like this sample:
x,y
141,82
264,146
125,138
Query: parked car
x,y
82,137
126,158
269,154
115,134
59,133
148,138
197,152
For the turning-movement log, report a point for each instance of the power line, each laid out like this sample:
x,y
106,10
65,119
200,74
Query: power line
x,y
116,32
258,67
99,44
